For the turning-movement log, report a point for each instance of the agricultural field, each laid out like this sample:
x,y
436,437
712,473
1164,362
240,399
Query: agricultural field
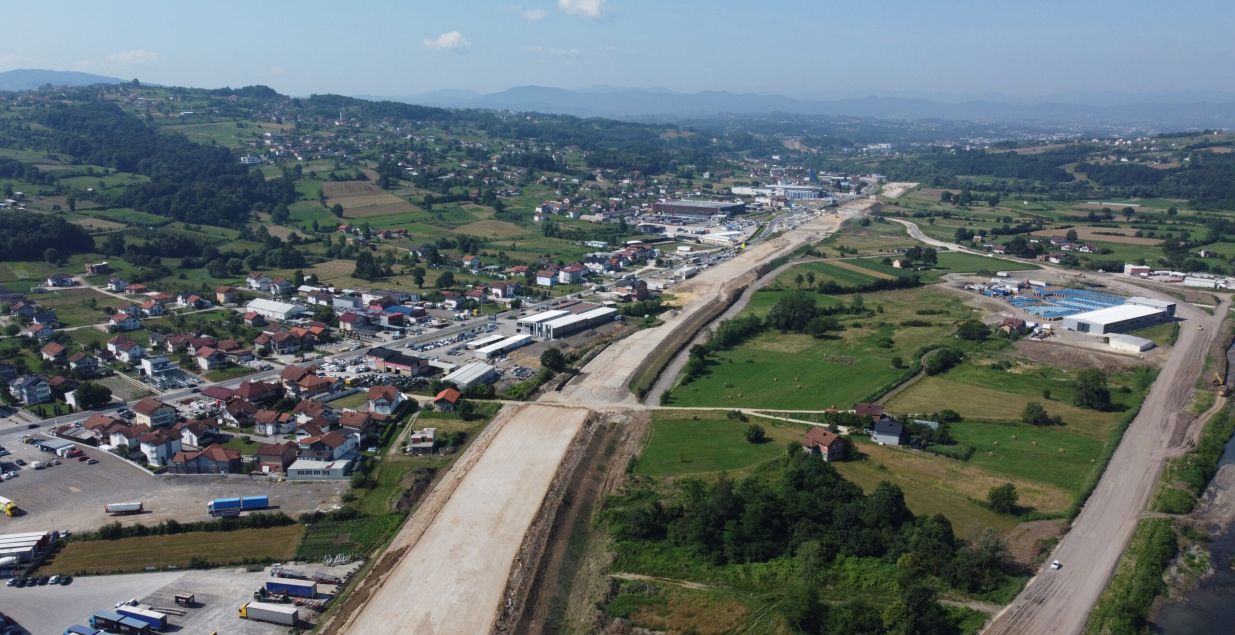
x,y
357,537
795,371
77,307
704,443
363,199
127,555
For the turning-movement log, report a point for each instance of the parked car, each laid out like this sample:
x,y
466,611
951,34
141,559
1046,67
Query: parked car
x,y
1056,565
65,580
83,458
43,580
91,462
55,579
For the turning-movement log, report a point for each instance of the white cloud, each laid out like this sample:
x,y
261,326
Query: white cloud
x,y
130,58
451,40
534,15
588,8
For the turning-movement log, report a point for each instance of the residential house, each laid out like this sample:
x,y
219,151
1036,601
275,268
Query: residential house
x,y
280,287
385,400
258,281
101,426
117,285
254,319
157,365
471,262
238,412
46,318
504,290
633,290
829,445
570,274
83,364
197,432
273,458
332,446
154,413
120,322
60,280
192,300
259,391
314,409
23,309
353,321
226,295
546,278
272,422
98,268
159,446
422,441
153,308
888,431
292,374
209,358
37,331
126,437
30,389
213,459
320,298
447,400
54,352
360,424
125,349
873,411
61,385
316,385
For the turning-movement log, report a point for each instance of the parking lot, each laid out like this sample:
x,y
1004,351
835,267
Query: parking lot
x,y
219,594
72,495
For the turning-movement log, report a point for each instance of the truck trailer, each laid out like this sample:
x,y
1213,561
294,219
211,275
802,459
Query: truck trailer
x,y
288,586
124,508
284,614
113,622
156,620
233,506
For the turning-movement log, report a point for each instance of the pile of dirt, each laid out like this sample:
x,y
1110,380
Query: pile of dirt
x,y
1027,541
1064,356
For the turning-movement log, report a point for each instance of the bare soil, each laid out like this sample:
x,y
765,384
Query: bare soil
x,y
1026,540
1064,356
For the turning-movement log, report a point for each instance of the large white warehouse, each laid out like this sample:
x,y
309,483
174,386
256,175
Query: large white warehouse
x,y
1116,319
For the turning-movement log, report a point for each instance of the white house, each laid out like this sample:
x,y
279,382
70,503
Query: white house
x,y
125,349
122,322
384,400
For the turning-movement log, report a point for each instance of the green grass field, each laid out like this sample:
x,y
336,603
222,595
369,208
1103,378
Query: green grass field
x,y
136,554
696,443
1044,454
823,272
798,372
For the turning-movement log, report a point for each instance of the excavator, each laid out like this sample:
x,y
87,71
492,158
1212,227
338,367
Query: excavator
x,y
1220,385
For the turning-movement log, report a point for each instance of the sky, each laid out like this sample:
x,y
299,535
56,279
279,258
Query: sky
x,y
817,49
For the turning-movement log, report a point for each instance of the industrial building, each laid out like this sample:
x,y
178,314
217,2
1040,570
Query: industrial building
x,y
506,345
1165,305
471,374
273,309
528,324
698,209
482,342
1129,343
313,470
571,324
1116,319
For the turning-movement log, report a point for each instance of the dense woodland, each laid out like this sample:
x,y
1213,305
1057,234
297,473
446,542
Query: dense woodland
x,y
29,236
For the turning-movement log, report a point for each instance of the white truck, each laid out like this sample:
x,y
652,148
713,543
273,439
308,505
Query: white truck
x,y
284,614
124,508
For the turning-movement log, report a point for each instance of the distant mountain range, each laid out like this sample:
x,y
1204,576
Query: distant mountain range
x,y
636,103
33,78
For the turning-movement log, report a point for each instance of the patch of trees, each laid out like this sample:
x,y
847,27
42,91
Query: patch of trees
x,y
1091,390
256,520
28,236
831,287
188,181
13,169
777,515
941,360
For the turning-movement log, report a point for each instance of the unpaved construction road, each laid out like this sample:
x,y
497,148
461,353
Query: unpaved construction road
x,y
451,577
1060,601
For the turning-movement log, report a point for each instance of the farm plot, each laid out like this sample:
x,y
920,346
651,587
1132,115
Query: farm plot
x,y
362,199
179,550
831,271
1124,236
77,307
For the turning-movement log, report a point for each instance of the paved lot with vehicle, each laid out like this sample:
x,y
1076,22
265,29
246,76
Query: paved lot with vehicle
x,y
219,594
72,495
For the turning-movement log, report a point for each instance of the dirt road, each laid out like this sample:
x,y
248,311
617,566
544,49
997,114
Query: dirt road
x,y
1060,601
451,577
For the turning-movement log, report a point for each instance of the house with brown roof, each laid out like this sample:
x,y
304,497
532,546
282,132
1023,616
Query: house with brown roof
x,y
315,385
212,459
332,446
154,413
385,400
226,295
101,426
159,446
209,358
197,432
53,352
259,391
84,364
272,422
273,458
125,349
360,424
829,445
238,412
873,411
447,400
254,319
309,409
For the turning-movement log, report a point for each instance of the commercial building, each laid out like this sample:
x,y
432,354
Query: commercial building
x,y
698,209
313,470
1165,305
506,345
1116,319
571,324
471,374
528,324
273,309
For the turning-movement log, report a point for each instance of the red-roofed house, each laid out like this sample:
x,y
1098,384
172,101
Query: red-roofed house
x,y
385,400
829,445
273,458
213,459
447,400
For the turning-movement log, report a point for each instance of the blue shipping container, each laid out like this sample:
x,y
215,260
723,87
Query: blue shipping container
x,y
300,588
223,503
77,629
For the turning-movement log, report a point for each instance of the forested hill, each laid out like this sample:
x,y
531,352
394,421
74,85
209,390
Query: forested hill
x,y
188,181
